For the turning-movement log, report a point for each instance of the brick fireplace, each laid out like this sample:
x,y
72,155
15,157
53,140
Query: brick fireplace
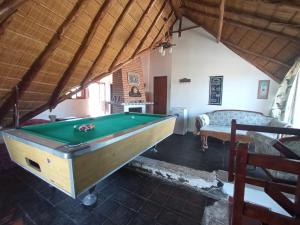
x,y
128,96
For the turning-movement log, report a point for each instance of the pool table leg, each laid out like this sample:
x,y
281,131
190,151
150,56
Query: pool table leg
x,y
154,149
91,198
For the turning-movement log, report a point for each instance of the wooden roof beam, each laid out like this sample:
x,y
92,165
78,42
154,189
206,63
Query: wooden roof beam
x,y
243,13
185,29
284,3
106,43
235,47
246,50
79,53
180,27
44,107
243,25
221,19
162,27
171,31
173,8
132,35
149,30
40,60
256,54
157,35
274,77
8,7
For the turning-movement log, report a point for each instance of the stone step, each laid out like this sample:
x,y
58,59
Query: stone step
x,y
220,214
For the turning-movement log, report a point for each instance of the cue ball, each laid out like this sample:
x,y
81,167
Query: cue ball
x,y
132,117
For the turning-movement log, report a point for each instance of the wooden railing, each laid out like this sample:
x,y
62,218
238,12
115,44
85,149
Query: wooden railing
x,y
288,162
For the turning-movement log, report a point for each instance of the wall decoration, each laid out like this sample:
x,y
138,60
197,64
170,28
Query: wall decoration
x,y
184,80
215,90
263,89
133,78
134,92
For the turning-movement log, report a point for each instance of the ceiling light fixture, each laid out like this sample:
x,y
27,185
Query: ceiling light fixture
x,y
164,46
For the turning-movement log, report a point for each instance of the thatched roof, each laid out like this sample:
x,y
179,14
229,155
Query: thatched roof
x,y
49,47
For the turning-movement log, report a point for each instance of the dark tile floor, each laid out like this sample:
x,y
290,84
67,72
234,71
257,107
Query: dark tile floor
x,y
126,197
185,150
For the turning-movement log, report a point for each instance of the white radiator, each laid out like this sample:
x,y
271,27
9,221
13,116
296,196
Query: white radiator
x,y
181,125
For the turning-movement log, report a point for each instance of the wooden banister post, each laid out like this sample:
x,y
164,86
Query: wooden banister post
x,y
239,184
232,151
297,197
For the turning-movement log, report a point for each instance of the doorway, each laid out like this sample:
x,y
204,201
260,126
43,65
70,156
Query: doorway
x,y
160,95
99,97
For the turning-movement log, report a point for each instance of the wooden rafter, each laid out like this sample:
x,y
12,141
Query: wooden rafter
x,y
149,30
243,25
180,27
8,7
132,35
257,54
283,3
236,48
157,35
79,53
185,29
173,9
162,27
105,45
115,68
246,14
171,29
221,19
44,107
40,60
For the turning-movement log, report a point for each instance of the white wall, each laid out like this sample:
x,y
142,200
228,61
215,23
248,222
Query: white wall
x,y
145,61
197,56
160,66
92,106
67,108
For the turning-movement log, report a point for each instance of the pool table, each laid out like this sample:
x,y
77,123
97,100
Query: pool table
x,y
74,161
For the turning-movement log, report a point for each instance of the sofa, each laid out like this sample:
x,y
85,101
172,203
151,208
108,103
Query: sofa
x,y
217,124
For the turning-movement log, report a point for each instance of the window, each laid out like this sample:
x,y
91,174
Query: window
x,y
296,110
286,106
83,94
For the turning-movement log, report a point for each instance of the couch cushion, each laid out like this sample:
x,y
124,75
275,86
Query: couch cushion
x,y
276,123
224,117
223,129
203,120
262,135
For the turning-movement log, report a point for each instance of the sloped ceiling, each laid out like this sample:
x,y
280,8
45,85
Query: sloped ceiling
x,y
264,32
48,47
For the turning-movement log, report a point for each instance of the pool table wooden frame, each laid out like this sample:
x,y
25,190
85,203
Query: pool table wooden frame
x,y
75,168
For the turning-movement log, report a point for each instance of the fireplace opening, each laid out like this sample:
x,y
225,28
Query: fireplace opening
x,y
136,109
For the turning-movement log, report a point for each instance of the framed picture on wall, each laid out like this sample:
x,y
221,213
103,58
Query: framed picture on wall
x,y
263,89
215,90
133,78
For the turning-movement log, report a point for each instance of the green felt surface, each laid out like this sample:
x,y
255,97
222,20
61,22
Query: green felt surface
x,y
105,125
